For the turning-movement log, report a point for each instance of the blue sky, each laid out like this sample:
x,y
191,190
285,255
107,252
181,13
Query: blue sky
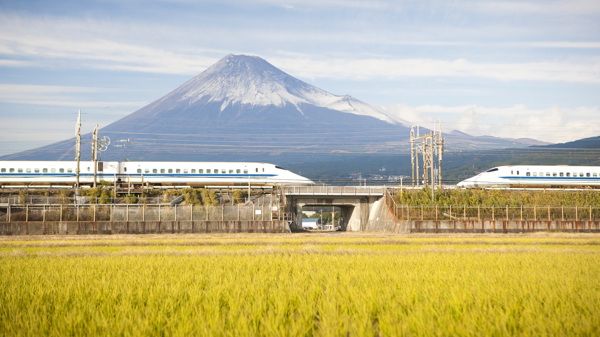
x,y
502,68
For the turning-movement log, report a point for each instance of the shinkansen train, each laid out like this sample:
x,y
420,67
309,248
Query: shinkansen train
x,y
193,174
535,176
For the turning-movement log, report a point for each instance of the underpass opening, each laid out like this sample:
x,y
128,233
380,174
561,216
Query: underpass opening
x,y
325,218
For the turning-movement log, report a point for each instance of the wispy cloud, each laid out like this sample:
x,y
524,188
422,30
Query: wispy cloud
x,y
553,7
58,96
49,42
399,68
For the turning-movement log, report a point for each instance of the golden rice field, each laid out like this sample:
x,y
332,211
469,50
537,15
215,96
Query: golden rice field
x,y
301,285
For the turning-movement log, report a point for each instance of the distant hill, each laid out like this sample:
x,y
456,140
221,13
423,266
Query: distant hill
x,y
585,143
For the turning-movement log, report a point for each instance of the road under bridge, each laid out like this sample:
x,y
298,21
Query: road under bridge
x,y
363,208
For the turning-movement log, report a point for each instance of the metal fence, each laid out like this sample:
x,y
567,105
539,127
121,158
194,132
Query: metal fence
x,y
137,212
49,200
542,213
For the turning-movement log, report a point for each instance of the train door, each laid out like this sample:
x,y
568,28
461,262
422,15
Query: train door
x,y
100,170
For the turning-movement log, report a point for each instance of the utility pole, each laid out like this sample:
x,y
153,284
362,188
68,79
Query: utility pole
x,y
95,153
414,155
78,152
440,151
432,144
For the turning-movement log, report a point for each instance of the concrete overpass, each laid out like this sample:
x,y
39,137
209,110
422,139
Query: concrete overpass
x,y
361,206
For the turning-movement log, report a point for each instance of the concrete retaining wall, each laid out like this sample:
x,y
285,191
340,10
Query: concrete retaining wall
x,y
488,226
141,227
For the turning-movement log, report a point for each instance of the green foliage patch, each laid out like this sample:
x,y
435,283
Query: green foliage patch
x,y
511,198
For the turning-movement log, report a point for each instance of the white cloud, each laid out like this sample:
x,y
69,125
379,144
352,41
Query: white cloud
x,y
553,124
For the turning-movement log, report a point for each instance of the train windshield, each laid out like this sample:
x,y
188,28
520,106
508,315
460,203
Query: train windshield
x,y
492,169
278,167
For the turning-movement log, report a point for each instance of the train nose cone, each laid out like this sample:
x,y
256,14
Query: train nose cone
x,y
467,183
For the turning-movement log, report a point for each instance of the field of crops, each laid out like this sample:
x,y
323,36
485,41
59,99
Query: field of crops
x,y
301,285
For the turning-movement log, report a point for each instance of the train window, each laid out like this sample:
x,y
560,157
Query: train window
x,y
231,171
124,169
264,170
200,170
170,170
185,170
146,170
3,170
517,172
45,170
587,174
139,170
61,170
239,171
193,170
154,170
12,170
37,170
245,171
208,171
53,170
223,171
257,170
20,170
535,174
581,174
512,172
216,170
568,174
70,170
595,174
88,169
562,174
528,174
547,174
162,170
177,170
28,170
554,174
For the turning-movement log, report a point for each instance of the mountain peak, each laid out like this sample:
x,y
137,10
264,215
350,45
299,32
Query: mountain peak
x,y
243,79
250,80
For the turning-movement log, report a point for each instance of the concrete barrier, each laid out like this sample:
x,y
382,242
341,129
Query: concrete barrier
x,y
498,226
142,227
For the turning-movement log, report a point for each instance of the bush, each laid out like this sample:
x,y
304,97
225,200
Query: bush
x,y
209,197
239,196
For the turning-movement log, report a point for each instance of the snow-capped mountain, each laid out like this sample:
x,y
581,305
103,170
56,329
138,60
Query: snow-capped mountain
x,y
252,81
243,108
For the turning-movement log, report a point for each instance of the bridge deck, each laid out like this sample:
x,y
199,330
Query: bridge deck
x,y
336,190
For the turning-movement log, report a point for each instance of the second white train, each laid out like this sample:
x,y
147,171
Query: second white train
x,y
535,175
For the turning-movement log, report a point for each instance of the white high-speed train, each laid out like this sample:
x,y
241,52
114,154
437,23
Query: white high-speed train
x,y
535,175
193,174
